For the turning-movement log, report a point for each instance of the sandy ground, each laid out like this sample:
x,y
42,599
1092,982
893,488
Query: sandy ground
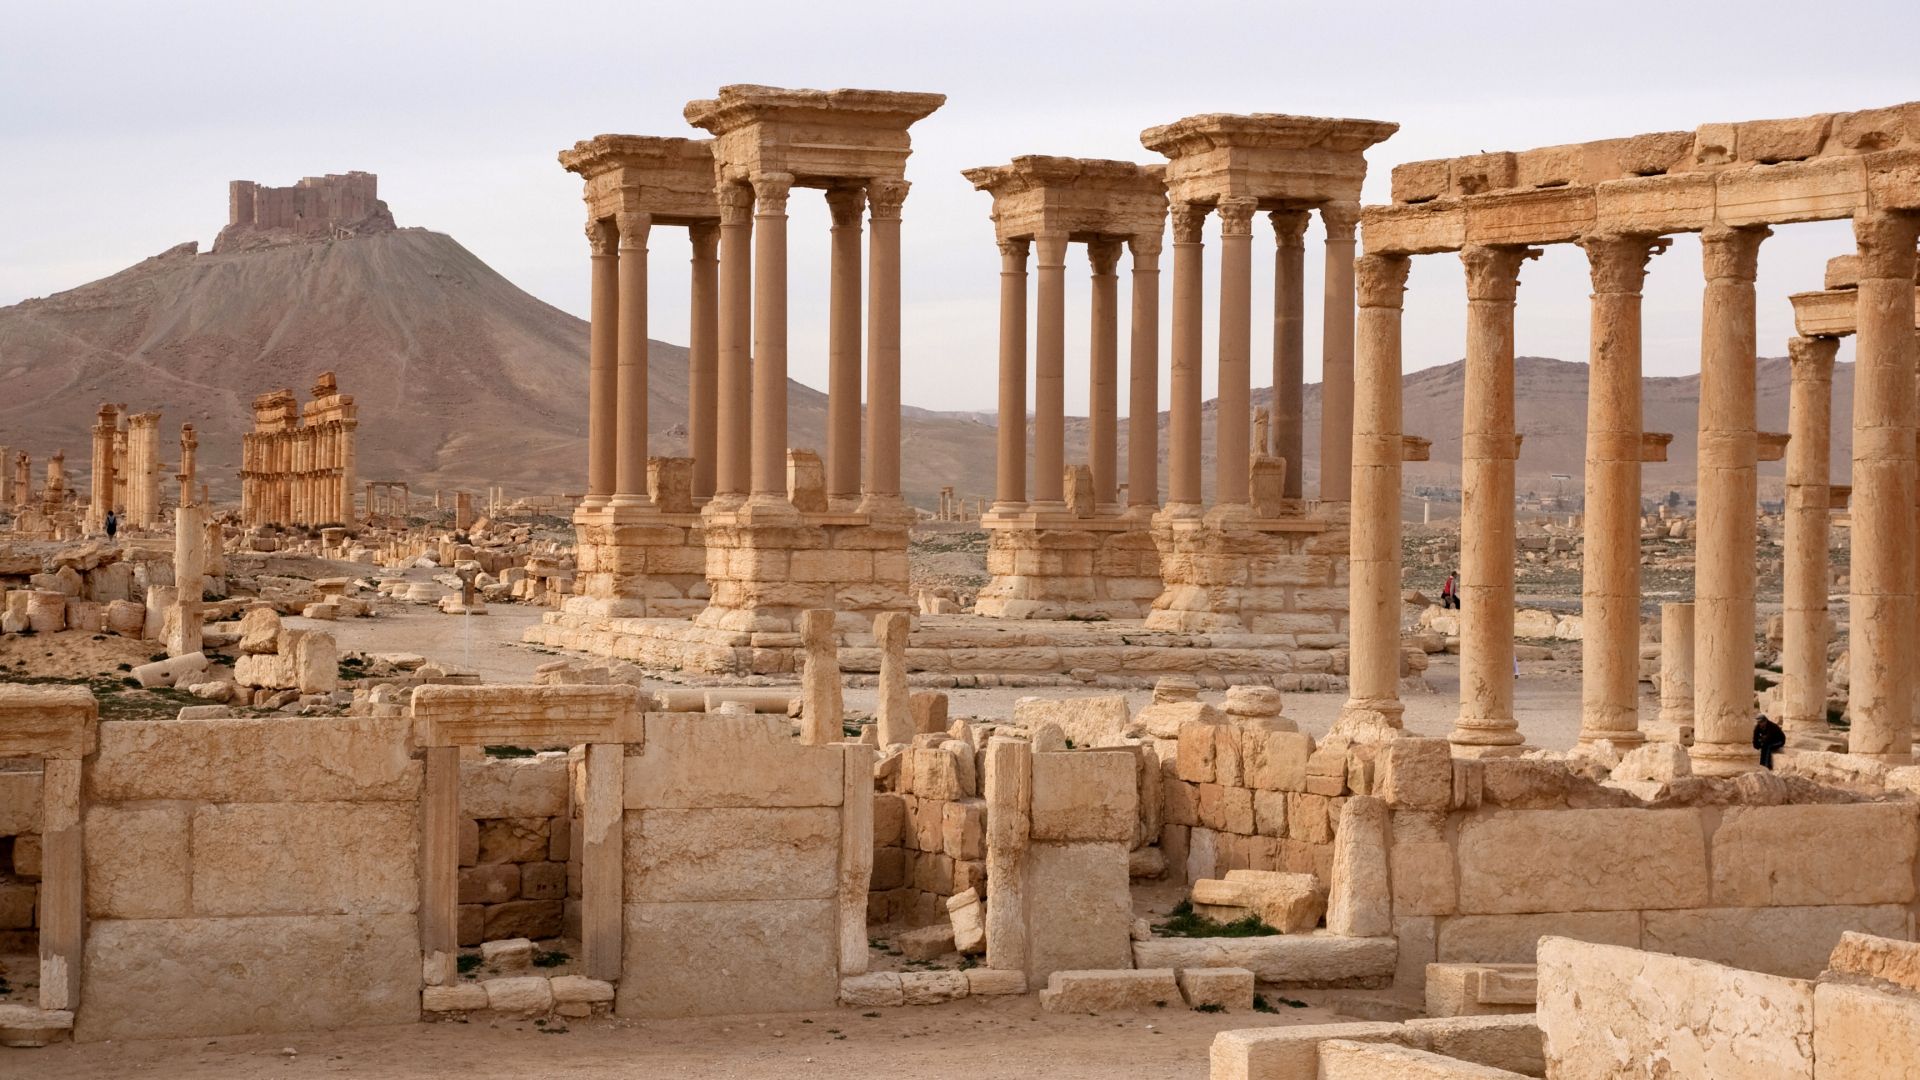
x,y
972,1039
489,644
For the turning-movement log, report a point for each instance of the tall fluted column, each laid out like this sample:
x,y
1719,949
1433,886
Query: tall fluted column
x,y
885,199
1723,606
843,344
602,365
100,483
1289,342
189,468
769,408
733,469
1183,419
630,460
1373,667
1803,599
1233,423
1487,450
1010,480
1337,354
1104,391
1050,373
1143,378
703,356
1881,597
1610,574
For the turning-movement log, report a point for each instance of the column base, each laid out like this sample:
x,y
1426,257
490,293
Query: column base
x,y
887,510
1625,739
630,502
1482,752
1370,720
1486,737
1723,759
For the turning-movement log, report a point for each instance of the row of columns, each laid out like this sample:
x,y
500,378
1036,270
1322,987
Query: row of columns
x,y
737,419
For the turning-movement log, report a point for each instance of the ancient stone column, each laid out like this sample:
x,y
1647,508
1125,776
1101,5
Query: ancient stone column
x,y
189,567
769,406
602,364
1803,600
1233,422
1728,506
1337,354
1289,343
732,469
1487,450
630,455
703,356
891,713
100,483
843,344
1676,670
821,702
1010,480
1881,596
1183,419
1050,373
189,448
1610,574
885,199
1143,377
1373,705
1104,392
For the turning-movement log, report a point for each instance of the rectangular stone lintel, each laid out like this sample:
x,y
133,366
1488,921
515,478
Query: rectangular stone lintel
x,y
1653,445
1415,448
528,715
48,721
1772,446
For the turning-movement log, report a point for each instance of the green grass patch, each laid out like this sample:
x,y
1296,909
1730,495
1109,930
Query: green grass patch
x,y
550,959
467,963
1210,1007
1184,922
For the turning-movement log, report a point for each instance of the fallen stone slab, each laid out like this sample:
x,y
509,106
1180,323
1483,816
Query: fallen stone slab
x,y
991,982
1109,991
1220,988
876,988
1299,960
25,1025
462,997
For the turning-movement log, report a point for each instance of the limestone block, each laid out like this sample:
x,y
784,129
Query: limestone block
x,y
708,760
1327,767
1885,958
507,954
20,802
517,840
1284,1053
710,958
1225,809
16,905
1860,853
1865,1033
1342,1060
1660,762
1523,783
270,671
29,854
1416,774
880,988
1513,939
278,759
1359,901
1270,813
1313,959
1290,903
1226,756
1308,818
259,631
1228,988
86,616
175,670
248,975
1480,989
1510,1042
1197,746
494,883
126,618
966,767
1086,796
968,916
732,853
137,862
1086,721
1581,860
963,829
462,997
936,773
1608,1012
521,996
579,988
1791,941
305,859
316,664
1179,803
538,919
1105,991
932,987
513,788
1275,760
46,611
889,818
992,982
1421,865
1087,916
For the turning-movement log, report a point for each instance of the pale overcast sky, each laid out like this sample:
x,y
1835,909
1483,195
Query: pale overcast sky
x,y
121,123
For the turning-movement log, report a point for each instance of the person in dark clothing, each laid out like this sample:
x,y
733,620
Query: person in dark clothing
x,y
113,524
1767,737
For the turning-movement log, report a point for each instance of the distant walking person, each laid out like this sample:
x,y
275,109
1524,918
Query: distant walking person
x,y
113,524
1450,592
1767,737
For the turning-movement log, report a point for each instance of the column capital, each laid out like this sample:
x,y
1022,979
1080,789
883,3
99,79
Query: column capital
x,y
1013,254
1732,253
1493,271
633,229
1144,247
1340,220
1289,228
705,238
1051,249
1380,281
1236,216
1618,261
1104,256
601,239
1812,358
736,203
886,197
846,204
1885,239
1188,219
770,191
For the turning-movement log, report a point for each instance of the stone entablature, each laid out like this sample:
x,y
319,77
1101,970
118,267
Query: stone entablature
x,y
297,465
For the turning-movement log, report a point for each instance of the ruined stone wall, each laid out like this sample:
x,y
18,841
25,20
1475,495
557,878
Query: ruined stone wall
x,y
20,856
519,863
312,207
1236,795
1070,573
929,832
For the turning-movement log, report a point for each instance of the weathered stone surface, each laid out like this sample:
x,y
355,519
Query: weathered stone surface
x,y
270,759
932,987
1085,796
1864,1033
248,975
1416,774
305,859
506,955
1317,959
1283,1053
1343,1060
1109,990
1791,941
991,982
1086,721
138,862
925,943
1479,989
460,997
494,883
517,840
514,787
743,956
1512,939
1510,1042
28,1026
1085,920
1290,903
1877,957
732,853
876,989
572,988
1860,853
1228,988
1359,898
538,919
1581,860
522,996
20,801
1608,1012
259,630
701,760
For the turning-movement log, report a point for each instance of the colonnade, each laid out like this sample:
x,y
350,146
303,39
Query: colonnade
x,y
297,467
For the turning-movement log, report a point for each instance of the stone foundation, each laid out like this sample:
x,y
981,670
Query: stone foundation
x,y
1070,568
766,564
639,563
1232,572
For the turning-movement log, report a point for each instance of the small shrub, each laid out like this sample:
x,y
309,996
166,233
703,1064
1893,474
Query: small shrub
x,y
1260,1004
508,751
1183,922
550,959
467,963
123,667
1210,1007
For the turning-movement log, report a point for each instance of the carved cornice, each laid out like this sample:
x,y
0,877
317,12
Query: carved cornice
x,y
1381,280
1618,261
1493,272
1732,253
